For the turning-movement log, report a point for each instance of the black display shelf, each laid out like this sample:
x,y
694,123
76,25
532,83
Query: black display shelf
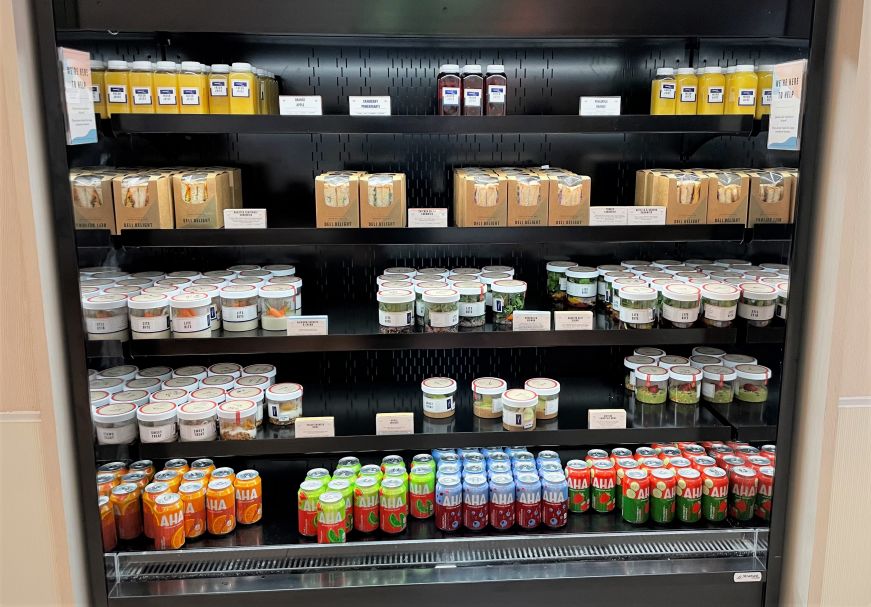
x,y
752,422
772,334
772,231
342,124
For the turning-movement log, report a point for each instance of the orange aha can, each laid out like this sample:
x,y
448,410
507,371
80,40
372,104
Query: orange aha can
x,y
195,476
107,523
193,498
169,514
206,465
144,465
220,507
170,477
128,512
105,483
140,479
179,465
249,497
151,492
117,469
223,473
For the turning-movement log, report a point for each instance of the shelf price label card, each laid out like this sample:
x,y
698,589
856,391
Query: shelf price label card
x,y
787,100
307,325
369,106
79,119
606,419
531,320
300,105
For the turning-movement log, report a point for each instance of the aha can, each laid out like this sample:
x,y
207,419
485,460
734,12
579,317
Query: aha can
x,y
689,450
437,454
393,500
107,523
366,504
496,467
424,459
205,465
249,497
688,495
116,469
666,454
193,500
719,450
195,476
603,486
728,461
307,506
527,500
169,514
449,470
651,463
391,460
715,493
645,452
220,507
105,483
742,493
179,465
448,503
554,500
622,465
350,462
371,470
619,453
551,456
753,461
746,450
342,486
769,451
502,489
700,462
170,477
322,475
127,510
421,490
149,494
476,498
578,478
596,455
662,493
764,492
147,466
678,463
331,518
636,496
223,473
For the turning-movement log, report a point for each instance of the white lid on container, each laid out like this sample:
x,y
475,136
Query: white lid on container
x,y
117,64
259,369
197,371
105,302
488,278
397,284
191,66
167,290
712,69
253,381
441,296
141,66
249,281
179,396
489,385
236,409
225,369
225,382
665,71
124,372
280,269
246,393
758,290
242,268
107,384
465,271
582,272
472,68
261,273
190,300
220,68
731,263
681,292
651,373
294,280
470,287
635,361
400,270
157,412
237,291
210,290
519,398
395,296
686,70
143,383
438,385
559,266
612,276
637,293
138,397
275,290
702,280
99,283
97,64
733,360
731,69
498,269
185,383
718,373
98,398
216,395
745,67
757,372
670,360
708,351
509,286
543,386
443,272
765,67
449,67
197,409
223,274
685,373
284,392
649,351
127,291
147,301
114,413
782,289
633,263
700,361
720,292
166,66
495,68
135,282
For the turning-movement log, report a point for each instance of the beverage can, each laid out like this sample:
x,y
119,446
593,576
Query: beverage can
x,y
307,506
603,480
448,503
220,507
393,504
249,497
476,496
578,479
764,491
662,494
193,500
331,518
366,504
421,490
502,489
636,496
688,494
742,493
527,500
127,510
169,514
554,499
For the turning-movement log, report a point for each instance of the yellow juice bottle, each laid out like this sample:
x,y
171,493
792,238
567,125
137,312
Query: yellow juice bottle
x,y
712,91
742,91
687,89
192,89
662,92
244,89
262,86
142,87
117,88
219,89
765,82
728,73
98,87
166,87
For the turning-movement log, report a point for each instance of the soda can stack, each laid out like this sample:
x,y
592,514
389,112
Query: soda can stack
x,y
636,496
603,479
662,489
742,493
394,505
366,504
331,518
578,479
449,502
715,493
421,489
554,499
528,500
502,490
343,488
476,498
689,495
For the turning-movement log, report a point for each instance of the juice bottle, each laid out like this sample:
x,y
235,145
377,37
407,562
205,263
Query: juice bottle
x,y
449,89
219,84
687,87
117,87
496,90
98,87
711,94
166,87
245,89
742,91
142,87
765,82
729,73
473,90
662,92
192,89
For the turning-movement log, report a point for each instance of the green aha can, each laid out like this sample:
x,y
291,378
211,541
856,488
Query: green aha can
x,y
636,497
689,495
662,485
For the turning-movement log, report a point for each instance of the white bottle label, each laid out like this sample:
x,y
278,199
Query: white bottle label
x,y
472,308
562,283
498,303
166,95
438,405
450,96
680,314
667,90
119,435
239,313
720,312
117,93
199,430
636,315
496,93
746,96
419,308
241,88
688,94
190,96
95,93
152,324
141,95
111,324
159,434
756,312
551,406
715,94
488,298
766,96
472,98
218,87
283,415
444,319
394,319
615,301
190,324
602,289
581,290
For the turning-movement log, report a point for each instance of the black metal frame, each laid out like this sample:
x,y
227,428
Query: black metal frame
x,y
685,19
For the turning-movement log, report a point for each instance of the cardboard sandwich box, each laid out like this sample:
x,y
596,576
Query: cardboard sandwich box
x,y
684,196
337,199
93,201
382,200
200,197
143,200
728,197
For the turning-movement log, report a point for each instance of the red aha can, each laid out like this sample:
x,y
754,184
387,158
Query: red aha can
x,y
764,492
742,493
604,482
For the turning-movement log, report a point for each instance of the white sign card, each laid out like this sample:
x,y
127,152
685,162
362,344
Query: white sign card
x,y
609,216
787,99
394,423
531,320
245,219
369,106
606,419
600,106
645,216
573,320
307,325
300,105
79,119
314,427
427,218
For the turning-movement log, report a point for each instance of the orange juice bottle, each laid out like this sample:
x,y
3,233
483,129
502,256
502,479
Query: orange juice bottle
x,y
249,497
219,96
142,87
220,507
727,74
105,483
193,497
98,87
117,88
107,523
151,492
712,89
765,82
169,514
662,92
687,87
170,477
244,89
127,510
166,87
192,85
741,91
